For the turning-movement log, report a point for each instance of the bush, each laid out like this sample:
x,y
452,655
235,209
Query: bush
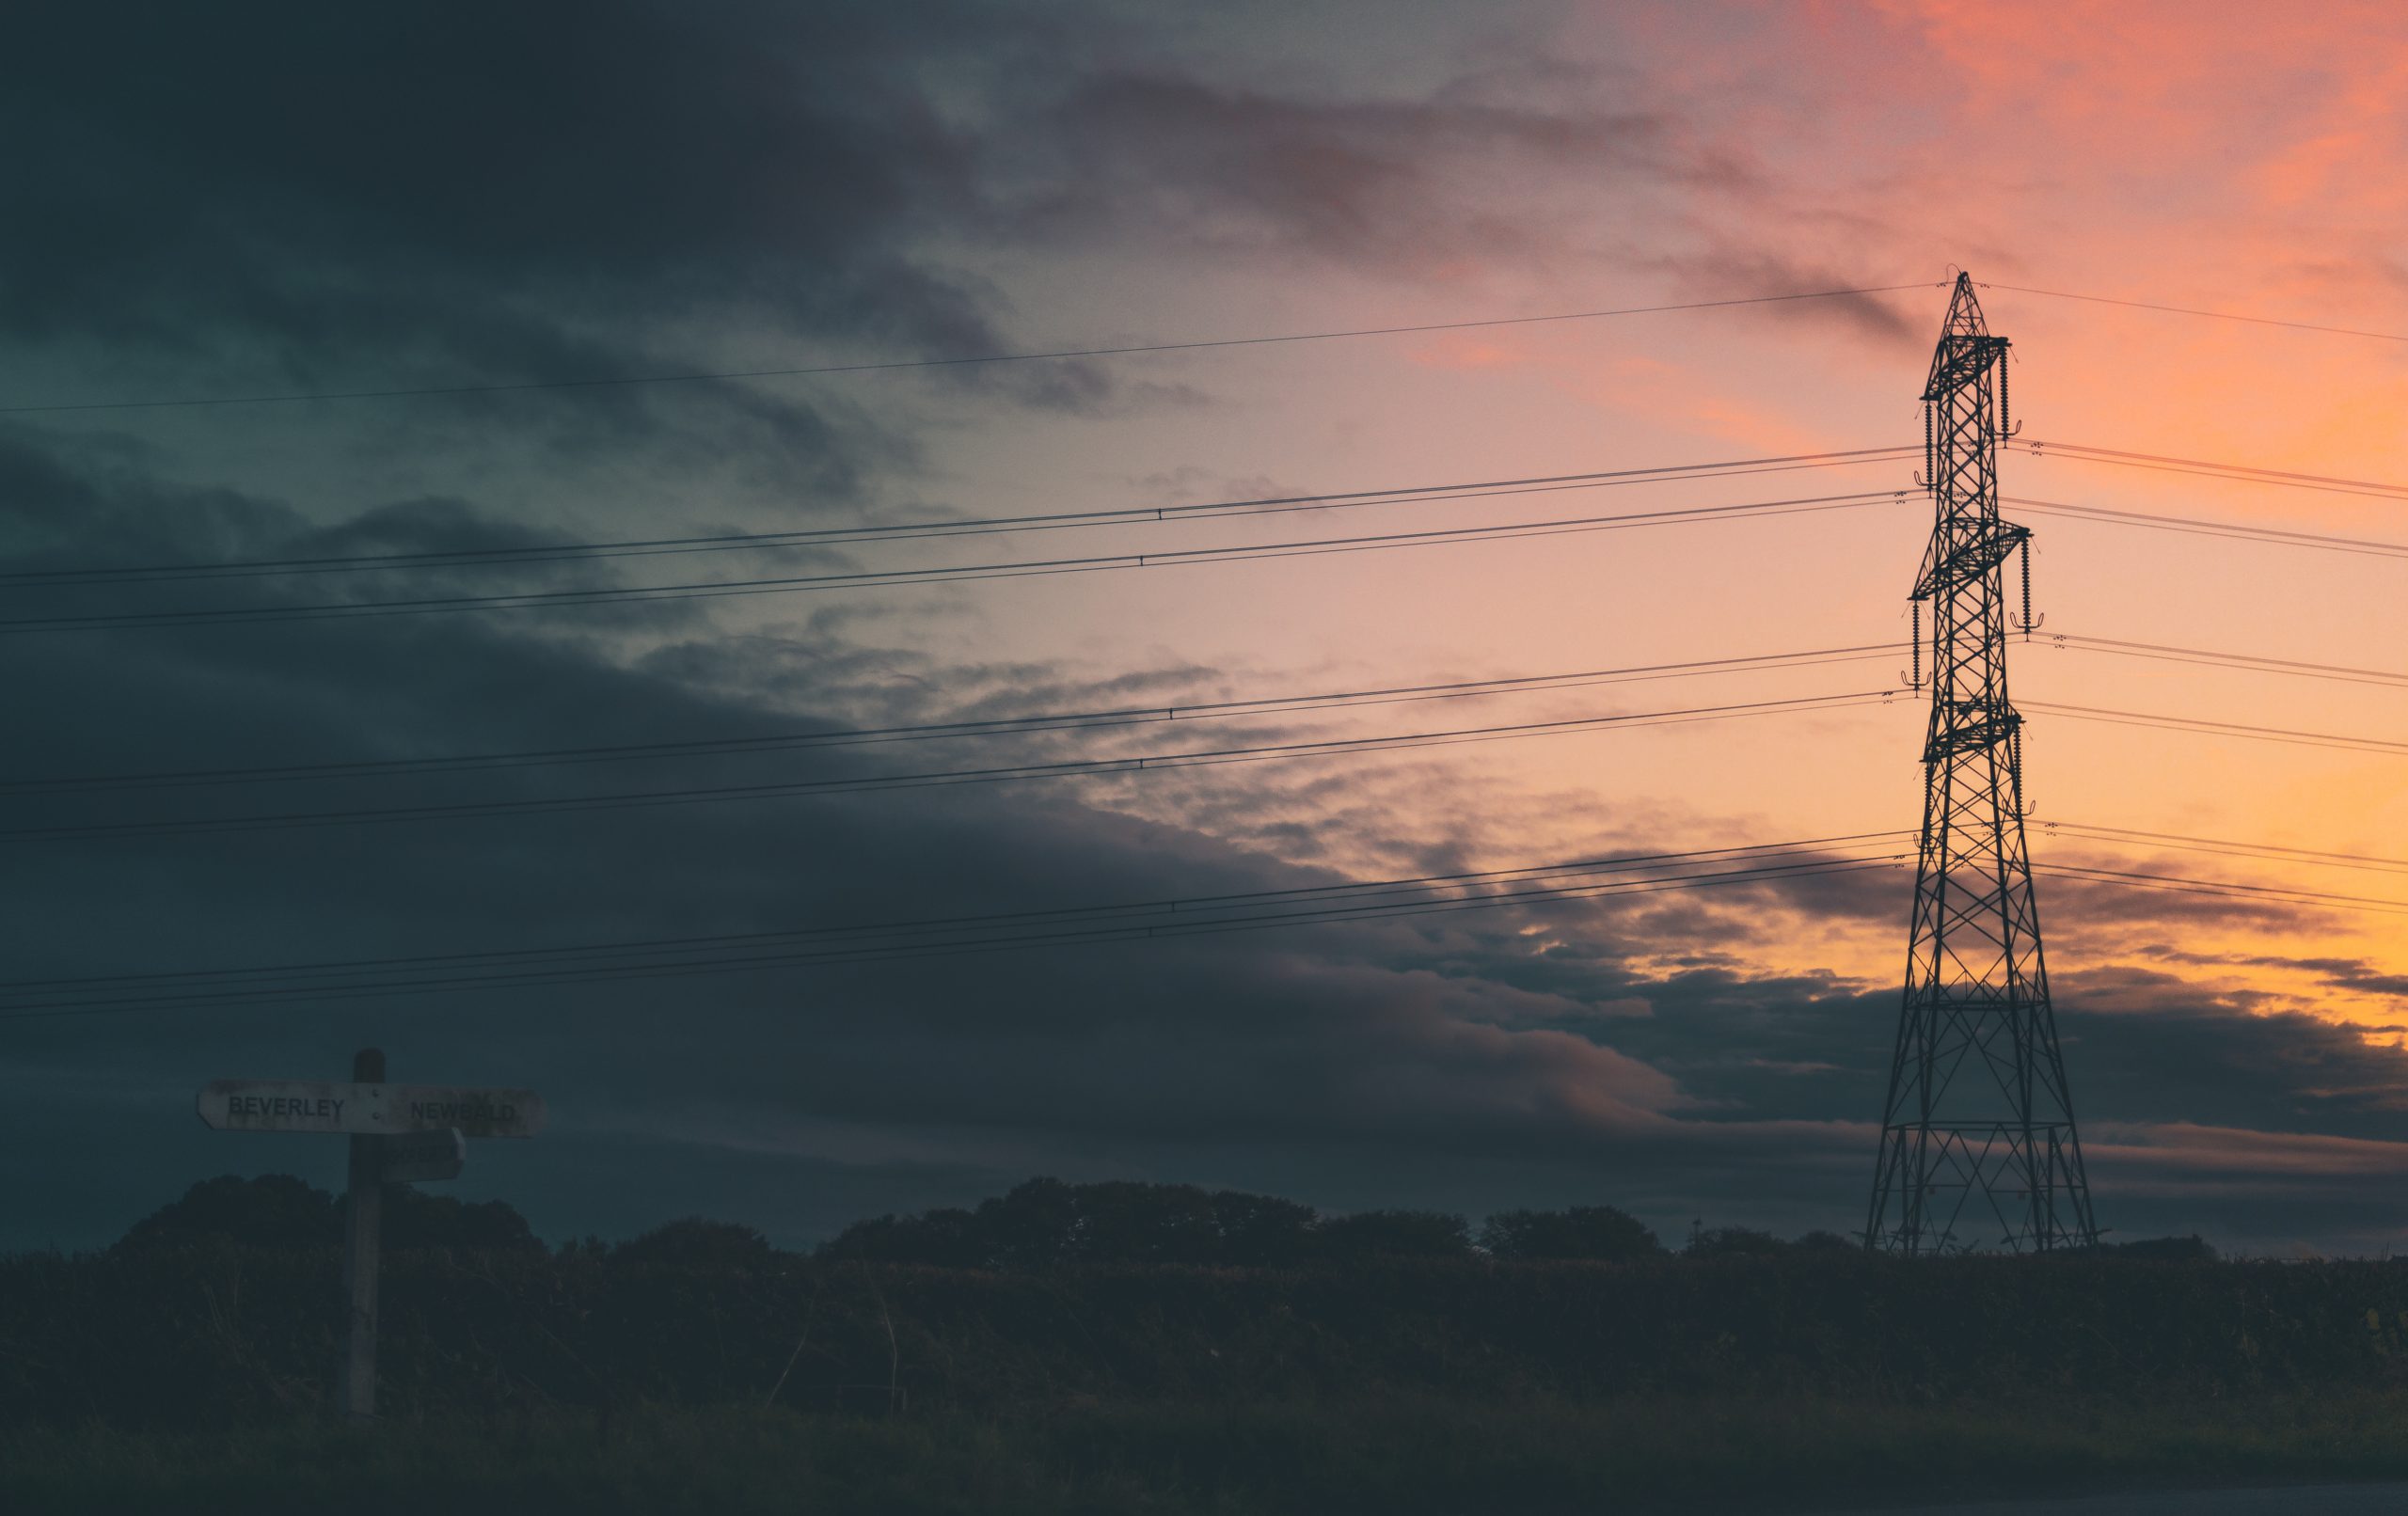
x,y
274,1210
1395,1234
2179,1249
1731,1243
693,1242
1825,1243
1045,1224
278,1210
1582,1232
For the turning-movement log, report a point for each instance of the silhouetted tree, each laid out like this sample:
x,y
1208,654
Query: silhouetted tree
x,y
693,1242
1262,1231
1395,1234
413,1219
1045,1224
1731,1243
1129,1223
949,1239
274,1210
1034,1224
2187,1249
1821,1241
1582,1232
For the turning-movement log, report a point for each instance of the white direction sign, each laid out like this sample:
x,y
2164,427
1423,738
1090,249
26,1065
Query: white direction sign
x,y
423,1156
319,1105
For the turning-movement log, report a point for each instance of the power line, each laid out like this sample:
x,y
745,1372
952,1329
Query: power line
x,y
2192,310
2201,468
2222,729
1180,907
2200,527
1135,716
889,365
1079,927
2367,862
2162,652
1330,905
1084,767
1133,515
1138,715
842,536
244,615
2231,890
1091,767
547,600
1000,726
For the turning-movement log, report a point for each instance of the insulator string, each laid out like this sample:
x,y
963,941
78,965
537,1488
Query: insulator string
x,y
2024,559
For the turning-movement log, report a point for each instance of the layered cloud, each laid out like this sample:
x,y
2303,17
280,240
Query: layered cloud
x,y
457,197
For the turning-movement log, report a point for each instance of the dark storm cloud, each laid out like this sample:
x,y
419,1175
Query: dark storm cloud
x,y
1395,183
389,194
474,176
1894,321
284,196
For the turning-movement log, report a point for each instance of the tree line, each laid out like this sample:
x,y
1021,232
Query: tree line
x,y
1043,1224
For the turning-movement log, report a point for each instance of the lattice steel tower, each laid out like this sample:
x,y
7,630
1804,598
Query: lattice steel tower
x,y
1979,1128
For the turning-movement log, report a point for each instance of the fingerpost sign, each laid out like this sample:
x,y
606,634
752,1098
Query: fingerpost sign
x,y
399,1132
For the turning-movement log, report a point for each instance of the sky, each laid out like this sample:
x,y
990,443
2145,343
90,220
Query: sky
x,y
489,206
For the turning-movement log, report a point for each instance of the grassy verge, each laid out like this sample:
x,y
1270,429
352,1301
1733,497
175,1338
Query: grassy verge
x,y
1392,1456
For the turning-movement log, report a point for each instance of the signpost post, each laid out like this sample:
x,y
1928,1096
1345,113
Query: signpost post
x,y
399,1132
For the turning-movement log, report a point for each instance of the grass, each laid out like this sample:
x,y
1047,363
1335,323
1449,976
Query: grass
x,y
1393,1456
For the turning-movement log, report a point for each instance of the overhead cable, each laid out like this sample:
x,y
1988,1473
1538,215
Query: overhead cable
x,y
2194,310
914,530
622,381
555,599
998,726
1084,767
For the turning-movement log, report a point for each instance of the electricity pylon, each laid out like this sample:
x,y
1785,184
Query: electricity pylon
x,y
1978,1147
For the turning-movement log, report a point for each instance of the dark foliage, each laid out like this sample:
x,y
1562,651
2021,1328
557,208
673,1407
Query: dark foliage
x,y
1731,1243
274,1210
1063,1294
2165,1247
1825,1243
1045,1224
413,1219
1395,1234
1594,1232
218,1335
693,1242
278,1210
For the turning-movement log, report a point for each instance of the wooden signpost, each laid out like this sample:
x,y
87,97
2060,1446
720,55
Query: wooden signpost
x,y
399,1132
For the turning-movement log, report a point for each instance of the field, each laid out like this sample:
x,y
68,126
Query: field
x,y
1390,1455
197,1377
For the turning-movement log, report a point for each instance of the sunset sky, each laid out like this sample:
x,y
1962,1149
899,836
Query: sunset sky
x,y
384,196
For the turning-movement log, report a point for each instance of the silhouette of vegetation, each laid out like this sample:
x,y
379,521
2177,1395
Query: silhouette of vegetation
x,y
1395,1234
274,1210
1731,1243
1593,1232
278,1210
223,1310
2191,1248
692,1242
1045,1224
1288,1456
